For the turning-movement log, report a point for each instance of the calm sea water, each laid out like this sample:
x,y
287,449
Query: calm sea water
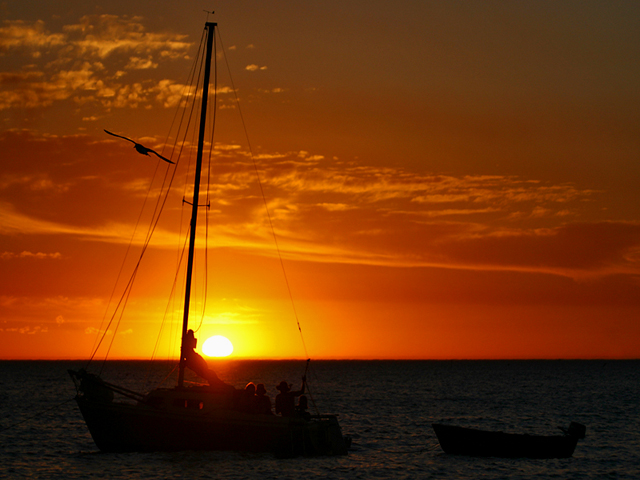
x,y
387,407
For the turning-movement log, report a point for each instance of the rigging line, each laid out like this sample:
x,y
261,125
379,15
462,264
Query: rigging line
x,y
191,290
4,429
127,292
171,295
151,229
157,212
208,196
313,402
193,82
162,200
195,107
264,199
129,285
115,330
115,285
170,300
183,95
155,218
168,374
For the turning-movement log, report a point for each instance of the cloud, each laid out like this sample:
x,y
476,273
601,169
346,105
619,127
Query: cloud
x,y
390,216
170,94
80,84
95,36
104,35
25,254
94,331
20,35
371,185
335,207
324,210
273,90
13,222
108,45
33,181
28,330
574,249
137,63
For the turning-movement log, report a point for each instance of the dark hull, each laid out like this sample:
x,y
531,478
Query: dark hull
x,y
480,443
121,427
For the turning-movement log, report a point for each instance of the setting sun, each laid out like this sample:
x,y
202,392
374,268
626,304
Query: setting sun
x,y
217,346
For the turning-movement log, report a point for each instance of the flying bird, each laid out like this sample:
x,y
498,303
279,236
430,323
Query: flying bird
x,y
141,148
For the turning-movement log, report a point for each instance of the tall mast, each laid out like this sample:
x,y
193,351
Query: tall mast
x,y
210,27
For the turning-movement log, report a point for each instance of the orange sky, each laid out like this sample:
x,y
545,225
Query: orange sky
x,y
446,179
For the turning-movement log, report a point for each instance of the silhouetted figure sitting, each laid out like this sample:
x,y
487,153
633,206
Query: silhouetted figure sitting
x,y
247,400
263,402
285,400
301,409
198,365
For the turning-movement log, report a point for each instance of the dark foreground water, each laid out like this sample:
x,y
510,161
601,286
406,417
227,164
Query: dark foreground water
x,y
387,407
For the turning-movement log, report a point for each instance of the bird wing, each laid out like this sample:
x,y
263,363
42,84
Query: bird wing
x,y
119,136
141,146
160,156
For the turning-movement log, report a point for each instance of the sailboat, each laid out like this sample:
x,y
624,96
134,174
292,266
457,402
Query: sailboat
x,y
196,417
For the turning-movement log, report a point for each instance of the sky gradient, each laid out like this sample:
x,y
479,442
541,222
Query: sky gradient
x,y
445,179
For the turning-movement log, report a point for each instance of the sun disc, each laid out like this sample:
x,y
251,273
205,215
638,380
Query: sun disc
x,y
217,346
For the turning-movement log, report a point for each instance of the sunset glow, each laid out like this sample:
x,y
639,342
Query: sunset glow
x,y
444,180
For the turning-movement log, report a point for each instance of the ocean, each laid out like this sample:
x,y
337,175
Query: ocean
x,y
387,407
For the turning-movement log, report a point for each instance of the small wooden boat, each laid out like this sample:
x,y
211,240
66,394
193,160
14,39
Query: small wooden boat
x,y
481,443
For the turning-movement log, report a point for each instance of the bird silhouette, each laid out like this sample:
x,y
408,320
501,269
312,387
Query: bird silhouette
x,y
141,148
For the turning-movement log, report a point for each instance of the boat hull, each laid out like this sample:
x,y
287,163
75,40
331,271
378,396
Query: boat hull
x,y
480,443
122,427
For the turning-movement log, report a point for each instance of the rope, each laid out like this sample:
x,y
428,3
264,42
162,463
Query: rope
x,y
193,80
310,395
160,203
4,429
264,199
213,116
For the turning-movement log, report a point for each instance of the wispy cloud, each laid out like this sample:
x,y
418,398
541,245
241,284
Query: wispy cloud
x,y
25,254
325,210
28,330
13,222
109,47
17,34
104,35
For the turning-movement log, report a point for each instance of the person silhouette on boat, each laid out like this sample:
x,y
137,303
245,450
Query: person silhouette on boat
x,y
263,402
198,365
301,408
285,400
247,401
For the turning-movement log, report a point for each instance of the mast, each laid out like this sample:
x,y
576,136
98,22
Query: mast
x,y
210,27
